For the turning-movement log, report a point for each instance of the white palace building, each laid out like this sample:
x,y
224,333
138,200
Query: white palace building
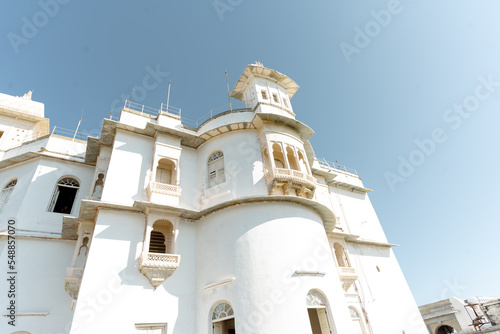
x,y
229,226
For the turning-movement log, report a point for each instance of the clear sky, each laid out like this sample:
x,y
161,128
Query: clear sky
x,y
406,92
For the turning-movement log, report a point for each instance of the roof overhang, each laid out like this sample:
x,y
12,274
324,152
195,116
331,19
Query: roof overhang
x,y
253,70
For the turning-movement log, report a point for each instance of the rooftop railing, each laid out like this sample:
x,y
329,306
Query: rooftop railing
x,y
336,165
164,109
75,134
213,113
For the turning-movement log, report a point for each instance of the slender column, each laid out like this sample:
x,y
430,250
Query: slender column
x,y
285,157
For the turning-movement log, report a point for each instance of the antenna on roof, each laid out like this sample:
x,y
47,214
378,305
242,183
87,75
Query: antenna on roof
x,y
131,95
228,97
168,95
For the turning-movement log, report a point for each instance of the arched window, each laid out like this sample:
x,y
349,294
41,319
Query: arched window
x,y
341,255
292,160
7,191
64,195
317,310
216,173
279,159
445,329
356,319
165,172
162,237
223,319
302,163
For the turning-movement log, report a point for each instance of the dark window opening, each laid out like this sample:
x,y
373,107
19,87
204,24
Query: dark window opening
x,y
65,199
157,243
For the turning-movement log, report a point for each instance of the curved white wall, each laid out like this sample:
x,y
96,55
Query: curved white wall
x,y
261,245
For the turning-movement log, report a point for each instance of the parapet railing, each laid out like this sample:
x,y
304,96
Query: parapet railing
x,y
335,165
75,134
168,109
160,260
164,109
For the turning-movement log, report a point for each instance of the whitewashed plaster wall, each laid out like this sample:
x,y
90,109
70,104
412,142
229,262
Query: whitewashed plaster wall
x,y
41,265
16,131
382,290
357,213
261,246
243,168
37,179
129,168
114,295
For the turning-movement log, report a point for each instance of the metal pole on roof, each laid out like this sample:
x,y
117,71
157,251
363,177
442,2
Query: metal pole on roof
x,y
76,131
168,95
131,95
228,97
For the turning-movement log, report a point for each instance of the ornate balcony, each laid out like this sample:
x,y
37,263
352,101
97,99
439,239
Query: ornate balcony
x,y
292,182
347,276
158,267
162,193
163,188
73,281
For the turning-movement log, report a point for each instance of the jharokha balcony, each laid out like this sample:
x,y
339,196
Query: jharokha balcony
x,y
73,281
158,267
163,193
290,182
163,188
347,276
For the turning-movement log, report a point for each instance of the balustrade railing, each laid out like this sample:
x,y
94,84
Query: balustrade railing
x,y
160,260
293,174
166,189
337,166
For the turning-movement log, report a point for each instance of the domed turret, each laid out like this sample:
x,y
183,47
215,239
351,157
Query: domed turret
x,y
265,90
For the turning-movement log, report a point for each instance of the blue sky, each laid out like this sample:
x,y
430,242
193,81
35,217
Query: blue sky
x,y
382,84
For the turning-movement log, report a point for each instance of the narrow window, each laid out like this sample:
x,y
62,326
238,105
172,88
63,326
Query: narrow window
x,y
341,255
264,94
318,313
279,159
302,163
165,172
157,242
275,97
223,319
216,174
285,103
6,192
162,237
64,195
292,160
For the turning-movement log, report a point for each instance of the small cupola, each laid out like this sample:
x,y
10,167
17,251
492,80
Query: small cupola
x,y
265,90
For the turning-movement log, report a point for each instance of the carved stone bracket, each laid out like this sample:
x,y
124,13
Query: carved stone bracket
x,y
73,281
347,276
158,267
292,182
